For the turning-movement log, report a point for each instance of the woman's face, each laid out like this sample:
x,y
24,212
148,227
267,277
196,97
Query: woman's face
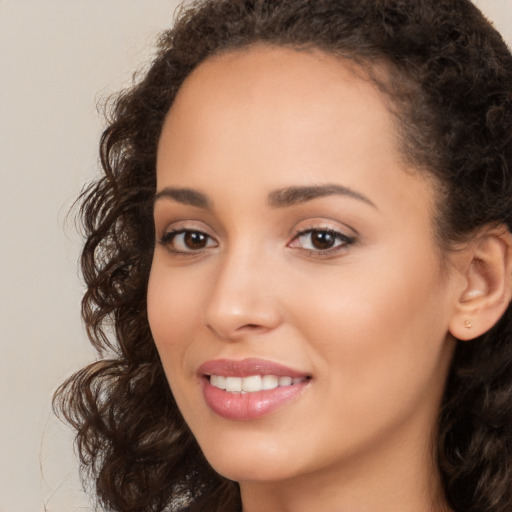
x,y
295,248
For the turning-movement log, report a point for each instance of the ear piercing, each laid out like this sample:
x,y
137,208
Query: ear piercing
x,y
467,324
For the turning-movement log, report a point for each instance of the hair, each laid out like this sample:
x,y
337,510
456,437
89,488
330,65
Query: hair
x,y
449,78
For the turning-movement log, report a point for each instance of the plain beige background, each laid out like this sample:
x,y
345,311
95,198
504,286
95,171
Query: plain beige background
x,y
57,59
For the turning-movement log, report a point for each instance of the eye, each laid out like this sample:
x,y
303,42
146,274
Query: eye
x,y
187,240
321,240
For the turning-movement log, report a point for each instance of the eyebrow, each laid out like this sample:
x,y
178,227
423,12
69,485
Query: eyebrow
x,y
281,198
290,196
184,196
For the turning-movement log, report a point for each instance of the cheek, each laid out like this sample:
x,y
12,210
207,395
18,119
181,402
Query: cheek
x,y
173,313
172,308
376,326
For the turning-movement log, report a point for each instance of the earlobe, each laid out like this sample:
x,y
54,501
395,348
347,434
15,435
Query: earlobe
x,y
488,284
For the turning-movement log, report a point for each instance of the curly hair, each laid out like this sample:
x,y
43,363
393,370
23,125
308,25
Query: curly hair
x,y
450,84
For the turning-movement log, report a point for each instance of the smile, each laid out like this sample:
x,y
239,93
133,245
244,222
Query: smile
x,y
245,390
253,383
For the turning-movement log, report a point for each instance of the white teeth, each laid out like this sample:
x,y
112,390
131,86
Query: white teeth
x,y
269,382
285,381
234,384
252,383
218,381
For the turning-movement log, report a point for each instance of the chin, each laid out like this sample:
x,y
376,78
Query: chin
x,y
254,463
242,471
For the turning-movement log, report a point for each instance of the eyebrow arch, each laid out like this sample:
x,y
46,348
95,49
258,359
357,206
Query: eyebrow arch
x,y
290,196
184,196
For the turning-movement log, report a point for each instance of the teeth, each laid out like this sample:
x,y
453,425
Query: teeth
x,y
218,381
269,382
252,383
234,384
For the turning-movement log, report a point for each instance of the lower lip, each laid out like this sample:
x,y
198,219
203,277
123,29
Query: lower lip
x,y
249,406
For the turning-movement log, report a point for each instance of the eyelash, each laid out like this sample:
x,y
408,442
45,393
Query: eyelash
x,y
341,240
169,237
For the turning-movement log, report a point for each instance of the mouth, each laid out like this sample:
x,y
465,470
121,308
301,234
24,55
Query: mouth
x,y
249,389
253,383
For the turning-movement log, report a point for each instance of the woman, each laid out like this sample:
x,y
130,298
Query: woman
x,y
302,244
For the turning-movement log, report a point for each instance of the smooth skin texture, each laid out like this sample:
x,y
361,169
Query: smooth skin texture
x,y
347,287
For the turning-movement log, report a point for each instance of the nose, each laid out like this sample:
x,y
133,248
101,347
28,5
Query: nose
x,y
242,298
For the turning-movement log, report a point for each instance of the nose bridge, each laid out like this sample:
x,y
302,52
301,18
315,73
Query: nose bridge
x,y
240,298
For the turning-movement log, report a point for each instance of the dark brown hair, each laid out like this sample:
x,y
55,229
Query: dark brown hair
x,y
450,80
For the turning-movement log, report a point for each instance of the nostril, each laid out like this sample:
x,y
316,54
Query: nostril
x,y
253,328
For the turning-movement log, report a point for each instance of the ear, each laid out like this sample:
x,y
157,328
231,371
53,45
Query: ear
x,y
486,289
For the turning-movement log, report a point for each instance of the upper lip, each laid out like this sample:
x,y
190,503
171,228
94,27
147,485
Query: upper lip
x,y
247,367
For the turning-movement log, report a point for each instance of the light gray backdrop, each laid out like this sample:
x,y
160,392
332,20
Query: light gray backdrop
x,y
57,58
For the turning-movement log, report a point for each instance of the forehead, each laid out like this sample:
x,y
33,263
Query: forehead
x,y
262,71
276,97
268,117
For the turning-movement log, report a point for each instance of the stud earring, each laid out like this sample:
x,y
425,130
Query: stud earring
x,y
467,324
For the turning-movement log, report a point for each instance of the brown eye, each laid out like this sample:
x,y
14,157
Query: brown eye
x,y
321,240
187,240
195,239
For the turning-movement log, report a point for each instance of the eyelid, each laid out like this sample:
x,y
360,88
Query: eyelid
x,y
323,224
326,227
184,224
170,236
174,229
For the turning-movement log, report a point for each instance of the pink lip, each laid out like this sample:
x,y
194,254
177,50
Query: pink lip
x,y
246,367
248,406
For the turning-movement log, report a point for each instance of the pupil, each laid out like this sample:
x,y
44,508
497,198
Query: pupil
x,y
195,240
322,240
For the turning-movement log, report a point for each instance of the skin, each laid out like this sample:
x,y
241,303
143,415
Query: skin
x,y
367,320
